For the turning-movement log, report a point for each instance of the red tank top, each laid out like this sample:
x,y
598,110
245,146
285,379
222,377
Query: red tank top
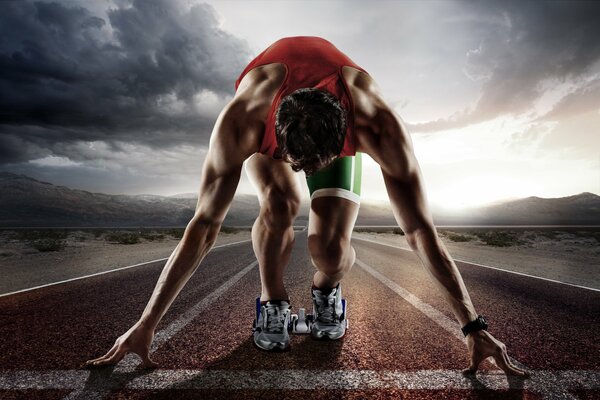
x,y
310,62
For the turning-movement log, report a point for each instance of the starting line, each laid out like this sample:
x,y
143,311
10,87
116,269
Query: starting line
x,y
542,381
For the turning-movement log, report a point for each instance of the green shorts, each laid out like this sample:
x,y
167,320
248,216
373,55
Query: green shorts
x,y
340,179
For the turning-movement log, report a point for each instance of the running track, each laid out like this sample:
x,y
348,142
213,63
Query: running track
x,y
403,341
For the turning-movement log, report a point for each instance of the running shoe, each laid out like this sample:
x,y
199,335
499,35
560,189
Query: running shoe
x,y
271,329
329,319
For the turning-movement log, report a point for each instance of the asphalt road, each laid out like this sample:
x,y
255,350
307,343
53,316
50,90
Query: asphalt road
x,y
403,341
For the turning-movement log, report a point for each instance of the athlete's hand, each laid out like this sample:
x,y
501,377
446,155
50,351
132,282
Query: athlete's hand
x,y
136,340
482,345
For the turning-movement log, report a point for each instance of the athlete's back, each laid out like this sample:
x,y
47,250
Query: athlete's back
x,y
259,87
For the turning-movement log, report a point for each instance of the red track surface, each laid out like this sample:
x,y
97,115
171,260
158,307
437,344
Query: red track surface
x,y
546,326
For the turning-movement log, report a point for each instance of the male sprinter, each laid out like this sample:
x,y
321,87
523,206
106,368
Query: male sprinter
x,y
303,105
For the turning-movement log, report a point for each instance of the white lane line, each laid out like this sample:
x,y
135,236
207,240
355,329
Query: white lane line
x,y
551,383
131,361
109,271
164,335
442,320
43,380
488,266
167,333
450,325
383,244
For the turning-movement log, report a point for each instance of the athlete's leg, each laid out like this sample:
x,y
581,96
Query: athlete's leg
x,y
272,233
334,208
330,227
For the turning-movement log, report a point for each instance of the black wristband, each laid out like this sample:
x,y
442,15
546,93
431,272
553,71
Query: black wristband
x,y
475,326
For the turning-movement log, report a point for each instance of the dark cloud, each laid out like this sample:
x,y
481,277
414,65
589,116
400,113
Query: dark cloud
x,y
67,75
522,44
16,147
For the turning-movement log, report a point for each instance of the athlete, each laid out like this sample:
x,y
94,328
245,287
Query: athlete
x,y
302,104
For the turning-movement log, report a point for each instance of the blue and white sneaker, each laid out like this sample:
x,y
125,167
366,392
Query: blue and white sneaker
x,y
271,329
329,314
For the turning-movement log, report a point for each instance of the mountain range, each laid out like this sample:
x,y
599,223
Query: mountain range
x,y
28,202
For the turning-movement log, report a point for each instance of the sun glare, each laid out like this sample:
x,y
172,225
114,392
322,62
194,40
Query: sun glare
x,y
478,190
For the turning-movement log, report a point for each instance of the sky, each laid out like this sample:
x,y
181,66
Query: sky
x,y
502,99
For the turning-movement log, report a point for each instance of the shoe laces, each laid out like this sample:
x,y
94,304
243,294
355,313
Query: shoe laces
x,y
326,307
274,318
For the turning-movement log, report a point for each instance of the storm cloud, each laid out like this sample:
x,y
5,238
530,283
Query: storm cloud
x,y
150,72
120,96
524,45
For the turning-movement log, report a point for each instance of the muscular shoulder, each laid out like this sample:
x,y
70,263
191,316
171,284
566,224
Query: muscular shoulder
x,y
371,112
259,86
379,130
366,95
251,103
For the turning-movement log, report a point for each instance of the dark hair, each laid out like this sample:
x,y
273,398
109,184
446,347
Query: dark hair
x,y
310,127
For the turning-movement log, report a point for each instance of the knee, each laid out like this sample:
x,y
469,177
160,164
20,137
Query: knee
x,y
330,255
279,209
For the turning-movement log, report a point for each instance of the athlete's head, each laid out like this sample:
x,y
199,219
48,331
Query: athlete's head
x,y
310,126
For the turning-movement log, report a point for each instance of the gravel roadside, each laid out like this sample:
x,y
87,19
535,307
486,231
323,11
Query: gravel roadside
x,y
564,256
22,266
561,256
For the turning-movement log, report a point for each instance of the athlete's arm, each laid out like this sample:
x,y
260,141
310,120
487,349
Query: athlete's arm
x,y
390,145
220,177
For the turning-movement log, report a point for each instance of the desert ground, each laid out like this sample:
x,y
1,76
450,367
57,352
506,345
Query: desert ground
x,y
566,255
32,257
